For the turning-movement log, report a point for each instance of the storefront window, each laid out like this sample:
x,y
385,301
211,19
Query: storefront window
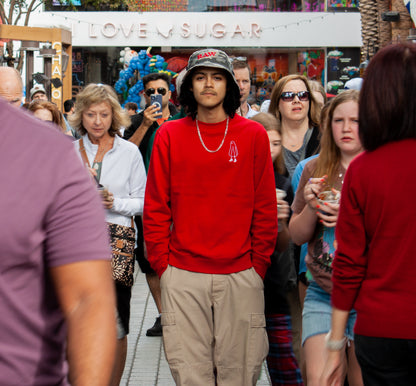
x,y
312,64
343,65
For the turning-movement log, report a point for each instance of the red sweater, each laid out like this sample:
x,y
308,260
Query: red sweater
x,y
210,212
374,269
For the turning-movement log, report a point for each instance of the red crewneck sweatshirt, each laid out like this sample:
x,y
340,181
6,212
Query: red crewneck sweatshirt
x,y
210,212
374,269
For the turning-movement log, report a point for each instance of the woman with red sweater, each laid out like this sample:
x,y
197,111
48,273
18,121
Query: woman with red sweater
x,y
375,268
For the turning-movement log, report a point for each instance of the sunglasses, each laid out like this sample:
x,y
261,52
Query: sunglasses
x,y
151,91
288,96
239,59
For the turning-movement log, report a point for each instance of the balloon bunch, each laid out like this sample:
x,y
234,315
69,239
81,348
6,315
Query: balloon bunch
x,y
130,84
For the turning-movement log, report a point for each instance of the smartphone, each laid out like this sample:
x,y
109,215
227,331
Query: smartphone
x,y
156,99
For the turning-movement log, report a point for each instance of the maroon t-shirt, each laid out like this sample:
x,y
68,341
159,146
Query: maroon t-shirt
x,y
50,216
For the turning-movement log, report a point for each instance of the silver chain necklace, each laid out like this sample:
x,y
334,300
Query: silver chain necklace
x,y
202,142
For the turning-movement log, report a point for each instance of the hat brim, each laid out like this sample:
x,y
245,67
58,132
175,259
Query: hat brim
x,y
37,92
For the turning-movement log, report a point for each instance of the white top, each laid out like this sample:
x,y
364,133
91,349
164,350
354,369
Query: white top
x,y
250,112
124,175
264,108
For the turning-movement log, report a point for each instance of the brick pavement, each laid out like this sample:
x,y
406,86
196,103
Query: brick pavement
x,y
146,364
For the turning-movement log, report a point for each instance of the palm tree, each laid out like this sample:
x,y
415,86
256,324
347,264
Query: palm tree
x,y
377,33
400,29
369,28
384,32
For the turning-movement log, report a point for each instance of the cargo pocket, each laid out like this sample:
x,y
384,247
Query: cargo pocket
x,y
258,346
171,339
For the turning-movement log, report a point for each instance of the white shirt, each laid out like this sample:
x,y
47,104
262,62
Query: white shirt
x,y
124,175
251,112
264,108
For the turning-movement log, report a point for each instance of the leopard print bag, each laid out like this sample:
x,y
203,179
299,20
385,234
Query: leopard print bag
x,y
122,240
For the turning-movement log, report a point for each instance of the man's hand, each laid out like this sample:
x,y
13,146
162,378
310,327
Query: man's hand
x,y
149,117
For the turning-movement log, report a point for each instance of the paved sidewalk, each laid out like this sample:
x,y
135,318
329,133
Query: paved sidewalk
x,y
146,364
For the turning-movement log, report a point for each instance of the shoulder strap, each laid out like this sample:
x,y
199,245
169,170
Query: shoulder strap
x,y
85,159
83,153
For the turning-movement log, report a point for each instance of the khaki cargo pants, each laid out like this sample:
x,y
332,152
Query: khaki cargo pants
x,y
212,322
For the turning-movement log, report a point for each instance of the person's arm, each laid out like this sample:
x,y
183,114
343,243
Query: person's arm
x,y
302,225
77,255
157,214
85,291
149,117
351,257
349,269
149,150
335,369
283,237
264,221
133,204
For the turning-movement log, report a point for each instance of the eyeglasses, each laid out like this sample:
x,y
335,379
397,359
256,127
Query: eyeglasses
x,y
239,59
151,91
288,96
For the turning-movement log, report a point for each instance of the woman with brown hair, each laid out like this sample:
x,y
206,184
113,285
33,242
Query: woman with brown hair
x,y
375,267
313,221
48,111
295,106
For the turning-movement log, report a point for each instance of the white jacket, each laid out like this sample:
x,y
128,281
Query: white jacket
x,y
124,175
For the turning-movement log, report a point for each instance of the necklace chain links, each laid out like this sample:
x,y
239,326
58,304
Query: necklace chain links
x,y
202,141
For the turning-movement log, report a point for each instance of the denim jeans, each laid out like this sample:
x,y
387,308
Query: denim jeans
x,y
386,361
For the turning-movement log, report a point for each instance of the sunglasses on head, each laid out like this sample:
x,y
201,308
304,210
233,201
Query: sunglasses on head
x,y
239,59
288,96
151,91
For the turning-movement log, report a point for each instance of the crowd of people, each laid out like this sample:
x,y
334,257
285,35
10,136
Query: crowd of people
x,y
283,235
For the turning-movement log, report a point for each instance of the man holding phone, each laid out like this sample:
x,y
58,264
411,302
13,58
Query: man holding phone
x,y
157,94
156,86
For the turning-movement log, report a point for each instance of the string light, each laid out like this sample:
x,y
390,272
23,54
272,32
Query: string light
x,y
263,29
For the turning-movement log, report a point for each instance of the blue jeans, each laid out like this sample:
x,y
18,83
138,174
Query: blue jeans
x,y
386,361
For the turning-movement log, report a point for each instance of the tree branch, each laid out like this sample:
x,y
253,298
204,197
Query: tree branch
x,y
31,8
11,11
2,14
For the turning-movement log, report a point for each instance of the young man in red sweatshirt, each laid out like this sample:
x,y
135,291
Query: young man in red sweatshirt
x,y
210,226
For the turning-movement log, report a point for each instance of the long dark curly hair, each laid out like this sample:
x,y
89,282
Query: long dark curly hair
x,y
231,101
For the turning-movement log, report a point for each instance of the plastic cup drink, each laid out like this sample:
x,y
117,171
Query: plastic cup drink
x,y
328,196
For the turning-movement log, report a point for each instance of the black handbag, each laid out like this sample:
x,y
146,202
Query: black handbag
x,y
122,241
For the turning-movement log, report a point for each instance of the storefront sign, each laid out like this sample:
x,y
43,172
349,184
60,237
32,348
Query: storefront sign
x,y
141,30
193,29
56,92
